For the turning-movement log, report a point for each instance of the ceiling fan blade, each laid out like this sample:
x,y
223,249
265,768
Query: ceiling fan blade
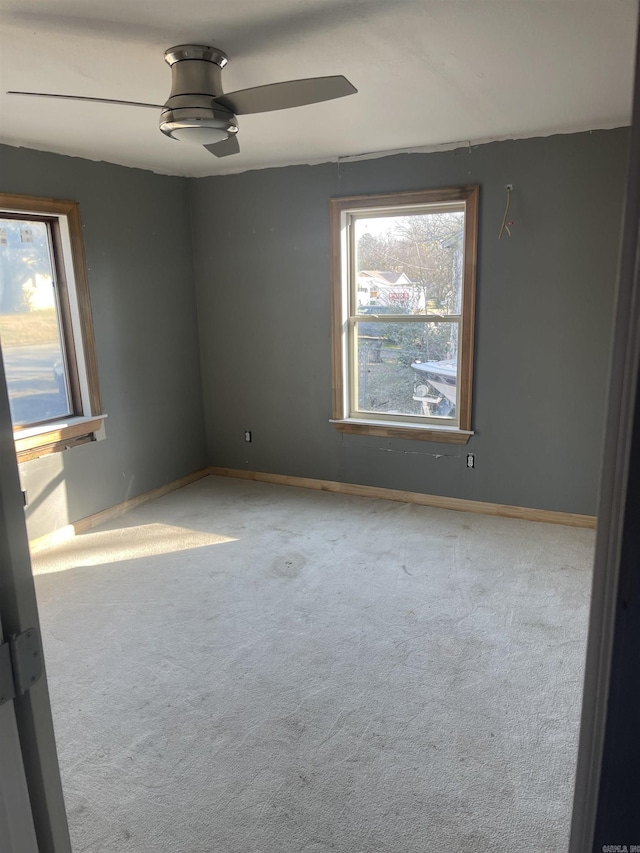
x,y
91,100
282,96
224,148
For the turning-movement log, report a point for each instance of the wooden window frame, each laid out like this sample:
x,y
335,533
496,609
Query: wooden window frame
x,y
399,426
43,438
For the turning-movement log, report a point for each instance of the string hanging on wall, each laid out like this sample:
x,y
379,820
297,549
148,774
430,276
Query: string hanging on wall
x,y
505,224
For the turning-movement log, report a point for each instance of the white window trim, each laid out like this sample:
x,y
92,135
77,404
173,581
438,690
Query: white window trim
x,y
76,322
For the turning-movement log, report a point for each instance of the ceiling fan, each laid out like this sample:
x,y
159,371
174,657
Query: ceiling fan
x,y
198,111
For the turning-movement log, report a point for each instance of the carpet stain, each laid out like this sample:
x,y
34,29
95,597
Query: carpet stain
x,y
288,565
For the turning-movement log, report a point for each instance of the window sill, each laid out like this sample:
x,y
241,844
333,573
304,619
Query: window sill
x,y
390,429
33,442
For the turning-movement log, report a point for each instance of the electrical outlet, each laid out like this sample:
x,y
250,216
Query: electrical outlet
x,y
471,460
247,435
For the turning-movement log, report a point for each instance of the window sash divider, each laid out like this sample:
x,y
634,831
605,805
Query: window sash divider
x,y
405,318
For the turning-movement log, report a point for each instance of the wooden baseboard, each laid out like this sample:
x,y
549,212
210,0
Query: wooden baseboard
x,y
459,504
105,515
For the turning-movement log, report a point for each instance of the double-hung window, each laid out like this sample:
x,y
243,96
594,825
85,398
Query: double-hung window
x,y
403,291
46,330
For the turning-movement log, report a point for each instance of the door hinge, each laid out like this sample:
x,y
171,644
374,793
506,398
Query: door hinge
x,y
20,664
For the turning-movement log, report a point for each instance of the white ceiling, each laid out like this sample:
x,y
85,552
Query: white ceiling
x,y
429,72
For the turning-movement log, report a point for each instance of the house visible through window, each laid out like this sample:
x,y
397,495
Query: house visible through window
x,y
403,311
46,331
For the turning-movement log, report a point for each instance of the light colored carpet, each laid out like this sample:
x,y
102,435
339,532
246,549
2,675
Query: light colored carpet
x,y
246,668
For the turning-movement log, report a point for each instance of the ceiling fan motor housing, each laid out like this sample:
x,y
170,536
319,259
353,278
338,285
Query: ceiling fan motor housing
x,y
190,114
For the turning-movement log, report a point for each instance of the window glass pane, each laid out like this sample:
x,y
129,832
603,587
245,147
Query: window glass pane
x,y
30,325
409,264
407,368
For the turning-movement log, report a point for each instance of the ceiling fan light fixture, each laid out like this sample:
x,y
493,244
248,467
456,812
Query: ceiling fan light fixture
x,y
198,125
199,135
195,131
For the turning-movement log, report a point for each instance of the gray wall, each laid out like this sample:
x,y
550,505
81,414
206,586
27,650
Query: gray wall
x,y
545,300
260,240
138,245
